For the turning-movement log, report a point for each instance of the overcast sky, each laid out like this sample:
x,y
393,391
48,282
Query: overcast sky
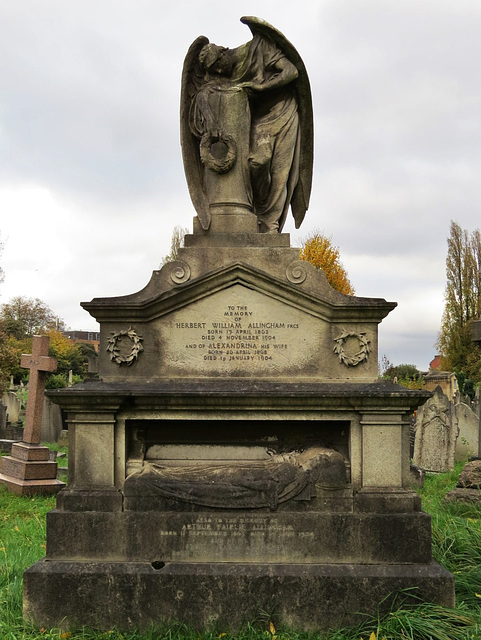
x,y
91,176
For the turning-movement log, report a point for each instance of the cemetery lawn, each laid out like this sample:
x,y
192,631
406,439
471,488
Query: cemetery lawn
x,y
456,545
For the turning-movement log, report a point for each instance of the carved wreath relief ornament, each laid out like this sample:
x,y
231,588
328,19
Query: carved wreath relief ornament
x,y
114,350
358,357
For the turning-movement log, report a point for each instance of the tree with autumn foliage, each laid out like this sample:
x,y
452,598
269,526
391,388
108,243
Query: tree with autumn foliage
x,y
462,303
20,319
319,251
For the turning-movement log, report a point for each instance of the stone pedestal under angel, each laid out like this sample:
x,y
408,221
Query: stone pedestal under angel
x,y
246,129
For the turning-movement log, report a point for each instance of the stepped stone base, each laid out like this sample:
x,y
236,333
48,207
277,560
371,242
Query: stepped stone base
x,y
31,487
28,470
223,596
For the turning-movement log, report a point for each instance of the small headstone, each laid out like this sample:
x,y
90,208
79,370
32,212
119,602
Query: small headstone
x,y
467,444
3,420
62,440
11,401
436,434
51,421
93,365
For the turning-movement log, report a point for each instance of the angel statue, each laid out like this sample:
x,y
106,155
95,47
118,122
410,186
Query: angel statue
x,y
246,129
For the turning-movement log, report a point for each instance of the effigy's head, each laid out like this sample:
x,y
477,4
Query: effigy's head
x,y
210,58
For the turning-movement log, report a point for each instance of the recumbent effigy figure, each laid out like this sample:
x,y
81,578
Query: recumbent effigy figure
x,y
246,127
253,485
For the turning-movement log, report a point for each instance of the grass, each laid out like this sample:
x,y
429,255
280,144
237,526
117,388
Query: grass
x,y
456,545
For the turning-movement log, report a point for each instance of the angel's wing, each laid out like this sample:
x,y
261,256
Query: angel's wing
x,y
302,191
191,79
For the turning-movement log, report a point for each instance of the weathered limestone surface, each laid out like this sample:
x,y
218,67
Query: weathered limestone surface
x,y
469,425
128,595
11,401
470,477
234,354
238,452
436,434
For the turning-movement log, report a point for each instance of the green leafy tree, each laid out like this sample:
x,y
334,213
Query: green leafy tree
x,y
24,317
178,235
70,357
8,359
319,251
408,375
462,303
7,353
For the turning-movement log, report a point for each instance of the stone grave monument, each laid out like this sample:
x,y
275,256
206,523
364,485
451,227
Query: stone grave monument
x,y
469,424
238,452
436,433
3,419
28,470
11,401
51,426
11,427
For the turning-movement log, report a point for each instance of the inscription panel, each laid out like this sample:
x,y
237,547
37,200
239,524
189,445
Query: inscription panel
x,y
228,538
244,537
240,331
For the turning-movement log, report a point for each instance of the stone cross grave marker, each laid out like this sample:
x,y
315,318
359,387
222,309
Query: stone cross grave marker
x,y
28,470
39,364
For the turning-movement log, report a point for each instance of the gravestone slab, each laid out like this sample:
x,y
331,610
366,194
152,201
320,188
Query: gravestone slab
x,y
11,401
3,419
51,421
467,444
436,434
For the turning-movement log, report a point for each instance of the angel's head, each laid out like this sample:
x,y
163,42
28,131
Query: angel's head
x,y
213,60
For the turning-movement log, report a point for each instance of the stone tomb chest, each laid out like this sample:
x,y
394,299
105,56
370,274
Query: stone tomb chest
x,y
238,453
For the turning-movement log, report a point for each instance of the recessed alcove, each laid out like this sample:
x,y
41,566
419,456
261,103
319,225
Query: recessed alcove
x,y
187,441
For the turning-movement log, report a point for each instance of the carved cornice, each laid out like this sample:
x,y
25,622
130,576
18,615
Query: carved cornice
x,y
135,308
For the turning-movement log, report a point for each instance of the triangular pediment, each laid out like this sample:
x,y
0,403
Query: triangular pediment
x,y
161,297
